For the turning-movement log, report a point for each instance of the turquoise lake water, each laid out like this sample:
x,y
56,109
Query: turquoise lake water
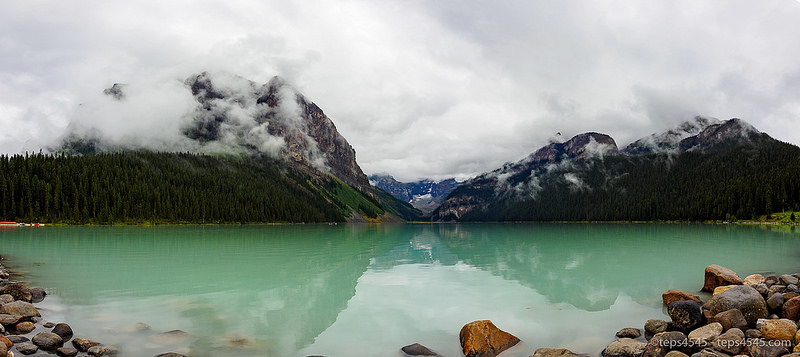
x,y
367,290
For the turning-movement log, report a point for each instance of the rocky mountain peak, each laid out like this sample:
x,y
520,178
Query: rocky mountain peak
x,y
580,146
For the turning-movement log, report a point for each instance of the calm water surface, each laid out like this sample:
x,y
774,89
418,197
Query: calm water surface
x,y
367,290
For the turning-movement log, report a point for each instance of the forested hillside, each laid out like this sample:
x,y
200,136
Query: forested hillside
x,y
146,187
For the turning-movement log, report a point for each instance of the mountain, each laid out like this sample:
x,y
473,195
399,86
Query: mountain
x,y
229,117
424,195
703,169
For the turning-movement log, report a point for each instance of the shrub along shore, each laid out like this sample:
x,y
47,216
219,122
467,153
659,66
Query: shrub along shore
x,y
756,316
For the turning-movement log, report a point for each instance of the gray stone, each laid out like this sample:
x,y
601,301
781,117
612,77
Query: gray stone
x,y
752,333
27,348
3,349
417,350
63,330
744,298
629,332
66,352
654,326
763,348
24,309
686,314
9,320
732,318
17,339
708,352
556,352
775,301
37,294
98,350
5,299
47,340
83,344
761,288
701,337
787,279
730,342
661,343
624,347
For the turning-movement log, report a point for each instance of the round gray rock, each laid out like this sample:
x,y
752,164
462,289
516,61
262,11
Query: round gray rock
x,y
629,332
66,352
654,326
624,347
26,348
21,308
63,330
47,340
730,342
417,350
743,298
37,294
661,343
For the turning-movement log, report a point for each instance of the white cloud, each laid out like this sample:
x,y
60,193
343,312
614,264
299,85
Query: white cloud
x,y
419,88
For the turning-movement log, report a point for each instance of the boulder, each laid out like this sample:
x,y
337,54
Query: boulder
x,y
701,337
417,350
629,332
761,348
730,342
83,344
732,318
624,347
722,289
791,309
47,340
673,295
761,288
9,320
743,298
719,276
66,352
661,343
775,301
782,329
777,288
771,280
37,294
753,279
483,339
787,279
18,290
27,348
21,308
654,326
63,330
5,299
25,327
98,350
556,352
685,314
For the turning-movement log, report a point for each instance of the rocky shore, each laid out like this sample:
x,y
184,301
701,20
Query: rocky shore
x,y
24,332
756,316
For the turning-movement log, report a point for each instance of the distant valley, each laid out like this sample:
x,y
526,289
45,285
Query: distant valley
x,y
424,195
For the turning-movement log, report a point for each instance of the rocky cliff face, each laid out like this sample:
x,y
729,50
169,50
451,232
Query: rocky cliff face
x,y
424,195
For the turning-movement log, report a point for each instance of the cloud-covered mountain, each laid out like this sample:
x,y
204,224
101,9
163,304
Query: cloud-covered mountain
x,y
424,195
703,169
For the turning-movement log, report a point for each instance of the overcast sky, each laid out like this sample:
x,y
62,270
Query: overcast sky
x,y
422,88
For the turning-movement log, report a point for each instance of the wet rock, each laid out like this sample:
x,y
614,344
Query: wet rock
x,y
21,308
777,288
685,314
173,336
730,342
672,295
37,294
787,279
17,290
791,309
98,350
775,301
782,329
762,289
654,326
417,350
66,352
483,339
63,330
771,280
48,325
27,348
743,298
719,276
556,352
661,343
753,279
83,344
25,327
761,348
702,336
732,318
629,332
624,347
18,339
47,340
9,320
5,299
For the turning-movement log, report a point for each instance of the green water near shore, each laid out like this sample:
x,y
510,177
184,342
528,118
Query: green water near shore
x,y
367,290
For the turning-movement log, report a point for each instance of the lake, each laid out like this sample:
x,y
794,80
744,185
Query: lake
x,y
368,290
